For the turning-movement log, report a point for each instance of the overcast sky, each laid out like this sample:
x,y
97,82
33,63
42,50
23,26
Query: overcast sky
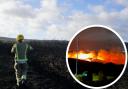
x,y
60,19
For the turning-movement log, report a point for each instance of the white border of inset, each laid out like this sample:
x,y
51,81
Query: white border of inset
x,y
125,49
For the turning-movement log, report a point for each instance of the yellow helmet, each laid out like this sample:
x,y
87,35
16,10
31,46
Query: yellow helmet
x,y
20,37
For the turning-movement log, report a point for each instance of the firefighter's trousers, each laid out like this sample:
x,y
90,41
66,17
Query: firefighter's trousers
x,y
20,71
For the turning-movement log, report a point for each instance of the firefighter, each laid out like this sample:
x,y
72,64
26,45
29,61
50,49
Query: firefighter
x,y
20,48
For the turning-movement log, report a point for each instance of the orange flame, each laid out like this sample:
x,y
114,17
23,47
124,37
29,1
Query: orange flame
x,y
102,55
81,55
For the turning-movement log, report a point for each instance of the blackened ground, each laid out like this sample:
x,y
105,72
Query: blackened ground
x,y
103,70
47,67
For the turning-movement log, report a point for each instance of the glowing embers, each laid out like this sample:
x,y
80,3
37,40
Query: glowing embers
x,y
104,56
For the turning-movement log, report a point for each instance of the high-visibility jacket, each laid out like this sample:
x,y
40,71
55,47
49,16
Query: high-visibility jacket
x,y
20,50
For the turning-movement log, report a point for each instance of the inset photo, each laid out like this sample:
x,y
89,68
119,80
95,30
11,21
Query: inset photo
x,y
96,56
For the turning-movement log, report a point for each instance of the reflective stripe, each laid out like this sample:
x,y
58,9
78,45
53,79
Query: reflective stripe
x,y
21,61
17,52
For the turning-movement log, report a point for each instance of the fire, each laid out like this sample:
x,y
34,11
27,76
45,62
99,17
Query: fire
x,y
81,55
104,56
